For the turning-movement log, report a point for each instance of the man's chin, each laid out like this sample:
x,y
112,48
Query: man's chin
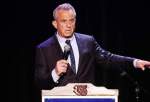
x,y
68,35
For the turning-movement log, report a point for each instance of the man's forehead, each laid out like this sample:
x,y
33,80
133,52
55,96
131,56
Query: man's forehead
x,y
65,13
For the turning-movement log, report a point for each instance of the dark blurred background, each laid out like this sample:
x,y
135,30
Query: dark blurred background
x,y
120,26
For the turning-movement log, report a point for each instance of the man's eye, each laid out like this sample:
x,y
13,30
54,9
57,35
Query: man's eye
x,y
72,20
63,21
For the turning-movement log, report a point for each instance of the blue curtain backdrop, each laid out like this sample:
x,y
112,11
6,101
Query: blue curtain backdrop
x,y
120,26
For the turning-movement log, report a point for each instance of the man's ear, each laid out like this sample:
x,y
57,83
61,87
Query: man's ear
x,y
54,23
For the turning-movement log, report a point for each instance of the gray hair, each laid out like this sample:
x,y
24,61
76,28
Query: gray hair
x,y
65,6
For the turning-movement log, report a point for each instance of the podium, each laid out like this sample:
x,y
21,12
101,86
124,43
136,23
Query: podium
x,y
80,92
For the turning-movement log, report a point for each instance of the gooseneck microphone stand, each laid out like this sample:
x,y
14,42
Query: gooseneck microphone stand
x,y
137,92
136,84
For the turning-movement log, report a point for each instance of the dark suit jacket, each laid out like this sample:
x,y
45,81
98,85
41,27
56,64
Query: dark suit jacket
x,y
90,54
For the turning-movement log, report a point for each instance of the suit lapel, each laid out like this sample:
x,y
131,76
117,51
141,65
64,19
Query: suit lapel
x,y
80,47
57,48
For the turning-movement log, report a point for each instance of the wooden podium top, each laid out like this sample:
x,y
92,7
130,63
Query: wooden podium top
x,y
80,89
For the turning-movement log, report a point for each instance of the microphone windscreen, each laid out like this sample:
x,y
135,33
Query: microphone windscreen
x,y
66,48
66,51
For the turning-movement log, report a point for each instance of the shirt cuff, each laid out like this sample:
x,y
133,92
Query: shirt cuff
x,y
55,76
135,63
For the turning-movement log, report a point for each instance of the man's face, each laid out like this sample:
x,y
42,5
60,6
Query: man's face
x,y
65,23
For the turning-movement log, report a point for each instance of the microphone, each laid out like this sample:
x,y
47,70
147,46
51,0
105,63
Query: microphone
x,y
66,52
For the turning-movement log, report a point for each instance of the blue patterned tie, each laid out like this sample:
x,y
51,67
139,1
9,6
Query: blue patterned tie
x,y
73,66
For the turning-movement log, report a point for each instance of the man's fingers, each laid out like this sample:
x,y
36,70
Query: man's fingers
x,y
143,68
64,65
63,62
147,66
61,66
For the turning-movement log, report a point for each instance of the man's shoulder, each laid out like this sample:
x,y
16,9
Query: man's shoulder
x,y
84,36
46,43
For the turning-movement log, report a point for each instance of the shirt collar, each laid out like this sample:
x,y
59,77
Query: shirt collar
x,y
62,39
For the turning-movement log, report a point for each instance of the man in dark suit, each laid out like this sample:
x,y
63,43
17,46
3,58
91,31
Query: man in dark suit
x,y
54,69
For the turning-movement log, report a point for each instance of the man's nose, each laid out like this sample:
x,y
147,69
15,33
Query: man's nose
x,y
68,25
